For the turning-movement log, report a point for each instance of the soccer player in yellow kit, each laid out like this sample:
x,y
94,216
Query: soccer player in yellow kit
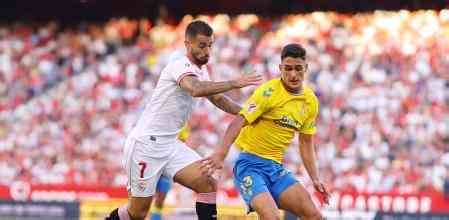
x,y
264,129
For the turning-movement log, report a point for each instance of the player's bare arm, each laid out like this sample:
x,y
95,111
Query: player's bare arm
x,y
215,161
225,103
308,156
198,88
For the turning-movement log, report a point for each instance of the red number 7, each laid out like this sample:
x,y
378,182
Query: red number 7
x,y
142,169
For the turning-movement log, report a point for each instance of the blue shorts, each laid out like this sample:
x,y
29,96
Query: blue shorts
x,y
254,175
163,185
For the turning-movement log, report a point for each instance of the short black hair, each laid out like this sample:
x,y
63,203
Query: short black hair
x,y
293,50
198,27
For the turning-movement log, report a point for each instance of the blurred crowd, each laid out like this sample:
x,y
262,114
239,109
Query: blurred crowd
x,y
69,95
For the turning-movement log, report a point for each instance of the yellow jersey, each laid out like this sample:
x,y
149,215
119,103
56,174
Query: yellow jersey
x,y
274,115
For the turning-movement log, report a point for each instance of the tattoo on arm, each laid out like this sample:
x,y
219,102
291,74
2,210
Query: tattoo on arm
x,y
198,88
226,104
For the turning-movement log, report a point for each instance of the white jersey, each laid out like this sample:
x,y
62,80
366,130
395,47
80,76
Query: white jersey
x,y
170,106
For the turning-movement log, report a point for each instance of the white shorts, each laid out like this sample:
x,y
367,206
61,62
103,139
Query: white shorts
x,y
146,159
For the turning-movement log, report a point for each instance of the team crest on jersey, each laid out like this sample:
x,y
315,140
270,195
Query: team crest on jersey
x,y
251,107
267,92
302,112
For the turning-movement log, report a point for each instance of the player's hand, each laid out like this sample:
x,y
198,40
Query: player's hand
x,y
212,163
247,80
322,193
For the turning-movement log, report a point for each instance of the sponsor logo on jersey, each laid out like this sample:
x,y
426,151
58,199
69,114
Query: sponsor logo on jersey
x,y
287,122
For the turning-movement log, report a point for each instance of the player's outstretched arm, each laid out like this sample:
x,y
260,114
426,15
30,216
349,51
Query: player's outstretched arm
x,y
215,161
307,151
197,88
225,103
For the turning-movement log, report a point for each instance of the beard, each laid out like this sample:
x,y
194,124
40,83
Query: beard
x,y
201,61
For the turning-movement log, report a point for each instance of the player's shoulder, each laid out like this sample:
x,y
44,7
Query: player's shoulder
x,y
176,55
267,89
310,95
308,91
180,62
275,82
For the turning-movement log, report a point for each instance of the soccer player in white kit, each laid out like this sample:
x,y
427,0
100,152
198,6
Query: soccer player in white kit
x,y
152,148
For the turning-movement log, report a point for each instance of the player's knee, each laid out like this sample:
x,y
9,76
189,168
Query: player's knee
x,y
212,184
270,215
205,185
139,215
314,215
276,215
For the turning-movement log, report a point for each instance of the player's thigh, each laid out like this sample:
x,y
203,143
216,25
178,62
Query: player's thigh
x,y
184,166
191,177
250,184
265,206
253,185
143,171
138,206
297,200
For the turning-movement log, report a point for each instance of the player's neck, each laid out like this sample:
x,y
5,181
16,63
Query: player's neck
x,y
192,60
292,91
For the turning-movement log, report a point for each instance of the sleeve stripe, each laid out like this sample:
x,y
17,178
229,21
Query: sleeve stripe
x,y
184,75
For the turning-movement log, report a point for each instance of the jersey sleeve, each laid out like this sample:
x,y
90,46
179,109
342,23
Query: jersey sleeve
x,y
309,126
256,105
181,69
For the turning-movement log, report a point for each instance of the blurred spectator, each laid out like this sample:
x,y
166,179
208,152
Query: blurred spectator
x,y
68,97
446,186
